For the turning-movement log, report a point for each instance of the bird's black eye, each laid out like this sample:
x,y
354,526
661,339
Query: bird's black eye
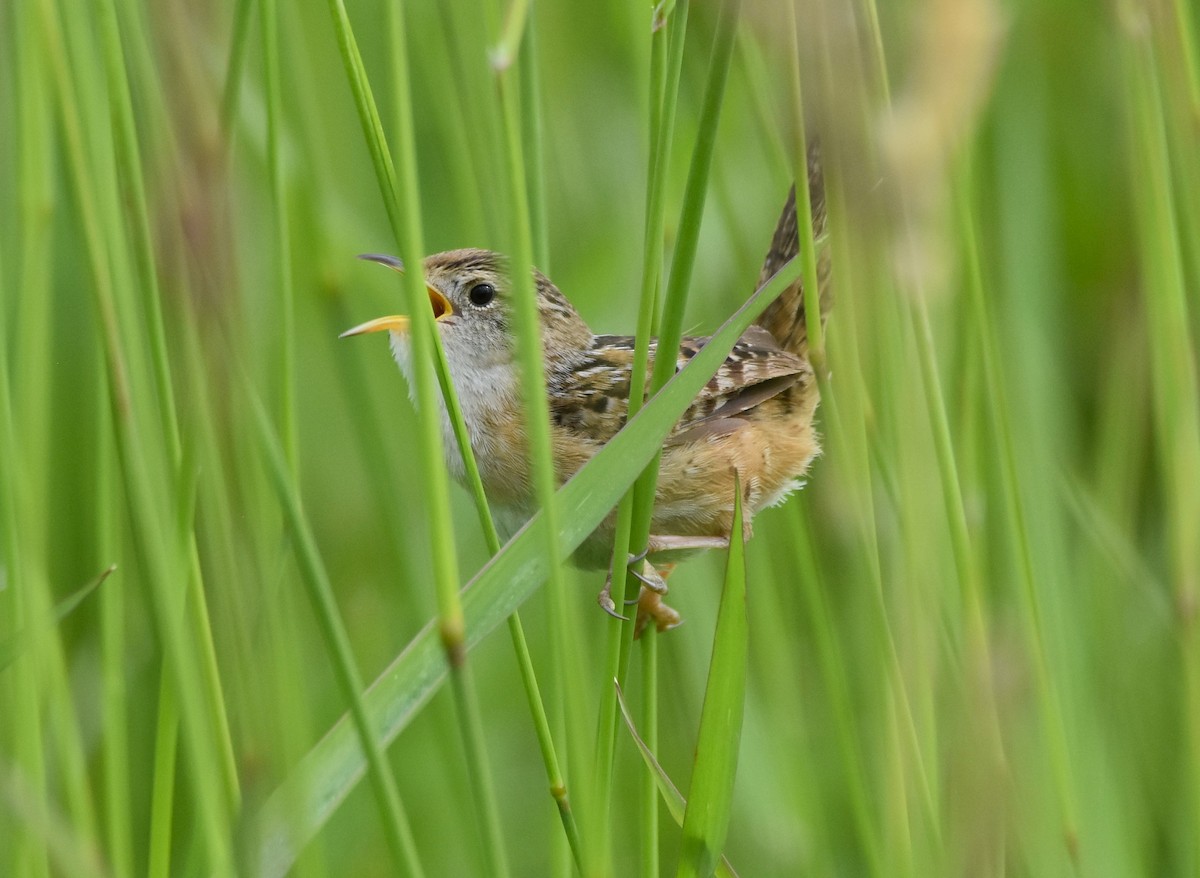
x,y
482,294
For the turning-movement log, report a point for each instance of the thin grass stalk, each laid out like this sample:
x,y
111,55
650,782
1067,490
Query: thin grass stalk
x,y
534,149
137,216
649,728
483,789
284,311
669,336
541,722
118,807
475,109
126,152
1049,702
68,762
162,793
1179,76
876,90
850,440
117,800
35,646
528,327
160,566
814,331
834,671
1173,379
235,68
710,795
561,643
683,260
405,221
510,38
320,591
759,83
528,330
1185,32
977,646
425,354
666,59
36,209
20,728
974,602
1048,697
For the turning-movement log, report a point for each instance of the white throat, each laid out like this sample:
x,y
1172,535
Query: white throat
x,y
485,390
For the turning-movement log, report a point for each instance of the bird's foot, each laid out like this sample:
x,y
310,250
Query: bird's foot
x,y
652,608
653,582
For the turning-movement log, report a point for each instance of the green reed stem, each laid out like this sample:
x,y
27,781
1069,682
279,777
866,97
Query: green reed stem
x,y
649,728
667,39
406,221
814,330
1017,522
162,567
21,724
162,794
284,311
510,39
235,68
520,120
337,641
1172,375
669,336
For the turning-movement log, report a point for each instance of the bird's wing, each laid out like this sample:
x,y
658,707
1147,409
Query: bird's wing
x,y
591,398
756,370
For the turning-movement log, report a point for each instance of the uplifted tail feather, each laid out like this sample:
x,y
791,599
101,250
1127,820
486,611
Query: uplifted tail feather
x,y
784,318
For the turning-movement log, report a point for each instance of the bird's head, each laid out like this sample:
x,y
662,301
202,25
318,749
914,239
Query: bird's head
x,y
470,294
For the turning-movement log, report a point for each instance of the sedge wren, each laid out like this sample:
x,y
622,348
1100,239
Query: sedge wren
x,y
753,418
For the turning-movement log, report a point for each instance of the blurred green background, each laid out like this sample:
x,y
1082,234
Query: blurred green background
x,y
973,644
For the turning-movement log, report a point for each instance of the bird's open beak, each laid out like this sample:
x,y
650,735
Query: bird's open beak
x,y
397,322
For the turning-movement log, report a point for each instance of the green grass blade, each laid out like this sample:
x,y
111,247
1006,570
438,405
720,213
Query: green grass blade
x,y
672,798
706,820
338,643
145,501
10,647
284,311
647,743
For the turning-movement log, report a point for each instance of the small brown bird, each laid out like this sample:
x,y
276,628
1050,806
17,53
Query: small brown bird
x,y
755,416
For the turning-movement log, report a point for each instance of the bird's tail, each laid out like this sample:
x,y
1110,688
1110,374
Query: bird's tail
x,y
784,318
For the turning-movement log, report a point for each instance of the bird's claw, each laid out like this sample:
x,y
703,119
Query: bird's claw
x,y
649,600
604,599
652,580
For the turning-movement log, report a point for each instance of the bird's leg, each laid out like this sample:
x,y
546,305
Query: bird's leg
x,y
671,543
